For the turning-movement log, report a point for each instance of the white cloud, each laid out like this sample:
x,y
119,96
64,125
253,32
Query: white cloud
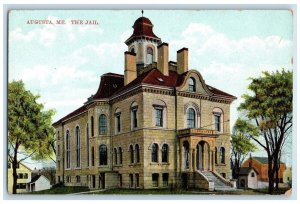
x,y
17,35
227,63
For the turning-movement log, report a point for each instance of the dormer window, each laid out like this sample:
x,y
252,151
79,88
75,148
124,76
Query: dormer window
x,y
192,84
149,55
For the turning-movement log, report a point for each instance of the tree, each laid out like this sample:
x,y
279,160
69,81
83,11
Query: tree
x,y
30,132
241,145
270,109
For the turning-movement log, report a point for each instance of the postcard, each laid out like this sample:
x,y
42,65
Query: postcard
x,y
150,102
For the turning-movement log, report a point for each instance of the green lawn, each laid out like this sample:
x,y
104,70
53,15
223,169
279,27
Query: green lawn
x,y
62,190
172,192
85,190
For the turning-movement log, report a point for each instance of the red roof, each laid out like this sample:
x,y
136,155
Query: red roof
x,y
82,109
112,84
142,28
109,84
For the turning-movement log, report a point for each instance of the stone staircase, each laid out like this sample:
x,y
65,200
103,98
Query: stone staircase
x,y
219,184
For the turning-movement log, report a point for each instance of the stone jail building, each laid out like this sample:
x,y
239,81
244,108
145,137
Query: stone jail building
x,y
157,126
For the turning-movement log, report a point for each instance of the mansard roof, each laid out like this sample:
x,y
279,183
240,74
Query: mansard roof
x,y
112,84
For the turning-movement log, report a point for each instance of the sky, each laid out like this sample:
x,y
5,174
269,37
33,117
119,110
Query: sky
x,y
63,63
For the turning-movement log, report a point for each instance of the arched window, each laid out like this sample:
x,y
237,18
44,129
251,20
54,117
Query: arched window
x,y
216,155
192,84
132,50
116,155
149,55
118,121
131,154
222,155
102,155
191,118
102,125
78,179
92,125
164,151
77,132
121,155
154,152
87,145
68,150
137,153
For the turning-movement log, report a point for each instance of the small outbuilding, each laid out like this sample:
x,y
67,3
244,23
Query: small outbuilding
x,y
38,183
248,178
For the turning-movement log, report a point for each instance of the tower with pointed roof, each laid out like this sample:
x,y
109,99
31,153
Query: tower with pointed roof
x,y
143,42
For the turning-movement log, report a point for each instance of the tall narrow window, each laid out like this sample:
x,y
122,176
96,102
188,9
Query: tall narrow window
x,y
131,180
159,117
149,55
118,122
87,145
137,180
102,155
68,150
58,136
134,116
164,150
222,155
93,156
191,118
155,180
77,131
216,155
192,84
121,155
217,122
154,152
92,125
116,155
137,153
131,154
102,125
165,179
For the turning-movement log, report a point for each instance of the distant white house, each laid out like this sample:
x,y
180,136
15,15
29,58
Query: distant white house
x,y
38,183
248,178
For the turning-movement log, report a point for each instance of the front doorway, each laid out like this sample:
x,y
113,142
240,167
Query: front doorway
x,y
203,161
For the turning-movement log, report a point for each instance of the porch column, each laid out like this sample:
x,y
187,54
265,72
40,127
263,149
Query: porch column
x,y
194,160
213,160
204,158
190,160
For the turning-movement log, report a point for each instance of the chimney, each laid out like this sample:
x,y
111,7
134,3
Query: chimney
x,y
250,161
163,58
182,60
130,67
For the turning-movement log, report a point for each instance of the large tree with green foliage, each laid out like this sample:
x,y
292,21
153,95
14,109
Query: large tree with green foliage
x,y
241,144
270,108
30,133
